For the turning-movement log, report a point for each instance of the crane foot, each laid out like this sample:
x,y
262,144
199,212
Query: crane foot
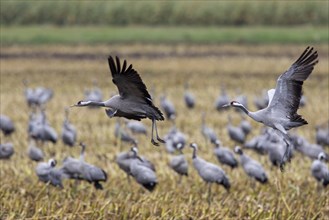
x,y
154,143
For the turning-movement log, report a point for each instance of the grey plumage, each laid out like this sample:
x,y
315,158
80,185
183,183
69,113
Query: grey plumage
x,y
141,173
188,97
34,153
69,132
6,150
47,172
136,127
222,99
36,97
252,167
310,150
322,136
6,125
224,155
79,169
245,126
179,163
43,131
235,133
124,160
122,134
175,137
208,132
276,152
168,107
133,101
319,170
281,112
253,144
209,172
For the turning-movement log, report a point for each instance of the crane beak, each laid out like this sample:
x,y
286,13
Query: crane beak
x,y
227,105
79,104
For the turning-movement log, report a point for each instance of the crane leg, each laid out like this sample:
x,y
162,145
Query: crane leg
x,y
156,132
287,153
152,140
209,193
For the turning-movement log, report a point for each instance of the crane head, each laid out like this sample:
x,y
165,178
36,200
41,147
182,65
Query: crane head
x,y
194,145
179,146
218,143
52,162
233,103
81,104
238,150
322,156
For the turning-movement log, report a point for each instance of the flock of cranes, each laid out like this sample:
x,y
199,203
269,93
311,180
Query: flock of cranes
x,y
278,111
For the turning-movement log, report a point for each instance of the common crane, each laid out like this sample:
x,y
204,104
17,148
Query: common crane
x,y
6,125
322,136
47,172
141,173
179,163
79,169
188,97
124,160
168,107
235,133
136,127
122,134
252,167
43,131
319,170
34,153
209,172
206,131
133,101
281,112
222,99
6,150
225,155
69,132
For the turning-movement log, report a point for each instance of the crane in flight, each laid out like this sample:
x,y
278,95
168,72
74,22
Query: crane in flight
x,y
133,100
281,112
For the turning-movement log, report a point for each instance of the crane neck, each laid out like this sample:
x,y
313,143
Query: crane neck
x,y
244,109
91,103
82,154
194,153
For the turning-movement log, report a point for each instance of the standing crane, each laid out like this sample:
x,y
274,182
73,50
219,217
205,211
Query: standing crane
x,y
209,172
133,100
188,97
281,112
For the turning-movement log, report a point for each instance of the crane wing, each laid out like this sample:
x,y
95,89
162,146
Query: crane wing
x,y
128,81
270,94
288,91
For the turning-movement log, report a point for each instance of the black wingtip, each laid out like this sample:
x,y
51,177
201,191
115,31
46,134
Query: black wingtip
x,y
118,64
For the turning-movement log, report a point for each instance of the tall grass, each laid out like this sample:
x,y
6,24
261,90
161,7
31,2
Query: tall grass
x,y
164,12
290,195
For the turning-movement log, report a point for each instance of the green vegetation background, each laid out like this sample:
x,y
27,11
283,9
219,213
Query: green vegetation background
x,y
92,22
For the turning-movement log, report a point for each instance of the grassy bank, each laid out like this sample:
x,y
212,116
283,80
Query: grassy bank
x,y
146,34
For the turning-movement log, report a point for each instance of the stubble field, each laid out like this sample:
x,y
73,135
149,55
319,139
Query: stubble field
x,y
69,70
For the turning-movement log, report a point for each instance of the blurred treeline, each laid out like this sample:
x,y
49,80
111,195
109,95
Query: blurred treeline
x,y
164,12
